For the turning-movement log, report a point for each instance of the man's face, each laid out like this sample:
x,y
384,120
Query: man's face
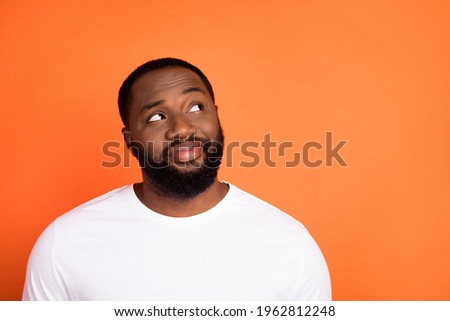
x,y
175,131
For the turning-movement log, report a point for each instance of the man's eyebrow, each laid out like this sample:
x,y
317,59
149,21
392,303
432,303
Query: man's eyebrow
x,y
192,89
152,104
162,101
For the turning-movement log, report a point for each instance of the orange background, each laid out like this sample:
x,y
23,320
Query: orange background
x,y
375,73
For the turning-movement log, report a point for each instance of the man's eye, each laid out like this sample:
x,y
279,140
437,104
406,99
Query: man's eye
x,y
156,117
196,107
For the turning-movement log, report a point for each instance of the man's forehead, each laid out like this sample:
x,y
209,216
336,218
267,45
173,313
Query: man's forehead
x,y
155,81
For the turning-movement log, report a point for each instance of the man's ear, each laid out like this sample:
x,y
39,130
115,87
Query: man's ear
x,y
217,107
128,139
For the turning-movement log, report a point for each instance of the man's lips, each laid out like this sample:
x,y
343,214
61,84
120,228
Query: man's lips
x,y
185,151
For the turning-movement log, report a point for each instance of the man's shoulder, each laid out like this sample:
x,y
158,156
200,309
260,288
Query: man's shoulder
x,y
104,204
260,211
106,198
85,219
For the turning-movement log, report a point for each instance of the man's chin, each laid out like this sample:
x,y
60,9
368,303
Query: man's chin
x,y
181,181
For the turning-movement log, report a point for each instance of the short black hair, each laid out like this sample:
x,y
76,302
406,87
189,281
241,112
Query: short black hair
x,y
125,97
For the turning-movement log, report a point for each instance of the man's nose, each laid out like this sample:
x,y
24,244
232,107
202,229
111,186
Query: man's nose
x,y
180,127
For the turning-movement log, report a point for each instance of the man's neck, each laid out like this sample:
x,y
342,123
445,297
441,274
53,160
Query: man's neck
x,y
181,208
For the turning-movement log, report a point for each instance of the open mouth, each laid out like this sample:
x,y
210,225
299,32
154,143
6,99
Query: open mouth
x,y
185,151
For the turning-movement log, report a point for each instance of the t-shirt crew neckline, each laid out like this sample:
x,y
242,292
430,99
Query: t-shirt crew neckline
x,y
148,213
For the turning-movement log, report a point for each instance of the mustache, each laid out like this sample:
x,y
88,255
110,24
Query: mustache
x,y
176,141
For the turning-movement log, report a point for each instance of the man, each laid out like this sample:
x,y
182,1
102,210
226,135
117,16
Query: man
x,y
181,234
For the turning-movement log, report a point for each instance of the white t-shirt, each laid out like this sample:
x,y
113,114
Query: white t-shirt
x,y
115,248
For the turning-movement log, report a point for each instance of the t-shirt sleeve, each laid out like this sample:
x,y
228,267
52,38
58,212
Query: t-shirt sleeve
x,y
42,281
315,277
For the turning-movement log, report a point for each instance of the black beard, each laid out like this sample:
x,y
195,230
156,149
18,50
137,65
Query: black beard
x,y
169,182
